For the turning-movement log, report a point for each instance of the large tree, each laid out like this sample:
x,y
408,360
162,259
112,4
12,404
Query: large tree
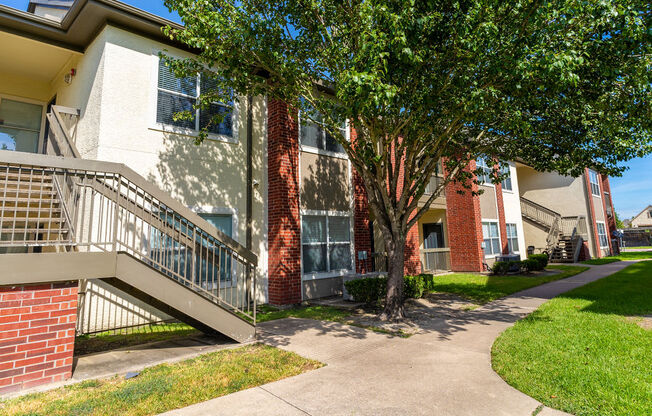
x,y
558,84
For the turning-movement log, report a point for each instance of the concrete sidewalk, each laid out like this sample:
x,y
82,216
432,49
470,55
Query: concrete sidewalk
x,y
444,370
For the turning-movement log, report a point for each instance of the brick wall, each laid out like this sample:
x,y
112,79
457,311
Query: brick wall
x,y
37,334
284,221
412,254
464,227
361,232
593,226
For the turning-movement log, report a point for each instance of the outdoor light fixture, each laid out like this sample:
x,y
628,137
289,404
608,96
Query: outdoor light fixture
x,y
68,77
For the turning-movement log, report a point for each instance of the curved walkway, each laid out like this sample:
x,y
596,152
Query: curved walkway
x,y
444,370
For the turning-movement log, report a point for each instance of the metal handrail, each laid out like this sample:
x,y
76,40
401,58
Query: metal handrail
x,y
104,206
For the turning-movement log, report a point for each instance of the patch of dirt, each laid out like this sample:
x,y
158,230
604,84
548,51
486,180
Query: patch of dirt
x,y
421,314
644,322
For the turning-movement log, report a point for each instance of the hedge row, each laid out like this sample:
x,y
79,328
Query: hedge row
x,y
372,290
534,262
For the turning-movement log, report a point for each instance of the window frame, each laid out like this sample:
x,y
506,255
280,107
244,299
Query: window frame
x,y
594,185
487,172
507,169
514,237
600,235
185,131
42,132
328,273
492,254
316,150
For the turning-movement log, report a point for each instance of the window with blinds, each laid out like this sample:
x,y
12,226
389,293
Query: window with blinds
x,y
182,94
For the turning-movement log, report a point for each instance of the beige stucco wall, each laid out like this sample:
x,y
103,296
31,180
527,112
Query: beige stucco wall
x,y
488,207
325,183
563,194
115,90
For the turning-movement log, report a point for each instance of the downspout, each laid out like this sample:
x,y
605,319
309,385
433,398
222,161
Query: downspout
x,y
249,213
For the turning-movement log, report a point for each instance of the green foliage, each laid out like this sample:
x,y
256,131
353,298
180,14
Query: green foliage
x,y
530,265
583,351
320,313
501,268
558,85
542,259
414,286
370,290
619,223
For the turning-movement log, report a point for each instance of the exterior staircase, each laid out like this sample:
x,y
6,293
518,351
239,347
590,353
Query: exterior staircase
x,y
565,234
66,218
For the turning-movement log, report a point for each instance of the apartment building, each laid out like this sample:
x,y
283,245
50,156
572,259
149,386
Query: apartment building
x,y
108,202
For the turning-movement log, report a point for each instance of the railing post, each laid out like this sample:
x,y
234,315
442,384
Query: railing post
x,y
116,205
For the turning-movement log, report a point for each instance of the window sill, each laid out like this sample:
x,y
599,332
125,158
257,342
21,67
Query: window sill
x,y
325,275
180,131
310,149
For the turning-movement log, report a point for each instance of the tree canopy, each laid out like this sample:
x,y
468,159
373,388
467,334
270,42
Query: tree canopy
x,y
558,84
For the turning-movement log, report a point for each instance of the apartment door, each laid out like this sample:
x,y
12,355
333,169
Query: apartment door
x,y
433,236
20,125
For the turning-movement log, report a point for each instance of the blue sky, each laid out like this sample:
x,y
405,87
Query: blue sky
x,y
631,193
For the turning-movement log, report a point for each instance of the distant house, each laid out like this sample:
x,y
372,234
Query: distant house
x,y
643,219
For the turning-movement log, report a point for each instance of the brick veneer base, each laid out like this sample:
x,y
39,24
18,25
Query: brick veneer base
x,y
37,334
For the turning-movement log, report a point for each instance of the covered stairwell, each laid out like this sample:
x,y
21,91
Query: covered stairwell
x,y
65,218
565,234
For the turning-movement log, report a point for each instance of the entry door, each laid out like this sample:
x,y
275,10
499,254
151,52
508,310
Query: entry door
x,y
20,125
433,236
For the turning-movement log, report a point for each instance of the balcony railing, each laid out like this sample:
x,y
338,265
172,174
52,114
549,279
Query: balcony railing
x,y
433,184
436,259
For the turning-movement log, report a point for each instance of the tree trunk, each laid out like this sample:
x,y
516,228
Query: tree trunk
x,y
394,309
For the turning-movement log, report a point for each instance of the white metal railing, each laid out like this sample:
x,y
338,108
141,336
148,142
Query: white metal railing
x,y
436,259
85,205
434,182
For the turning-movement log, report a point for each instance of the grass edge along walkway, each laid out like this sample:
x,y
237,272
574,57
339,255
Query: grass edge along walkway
x,y
166,387
583,352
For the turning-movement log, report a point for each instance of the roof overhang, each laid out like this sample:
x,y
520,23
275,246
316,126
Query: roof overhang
x,y
85,19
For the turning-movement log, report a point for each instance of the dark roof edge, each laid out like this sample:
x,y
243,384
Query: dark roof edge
x,y
29,25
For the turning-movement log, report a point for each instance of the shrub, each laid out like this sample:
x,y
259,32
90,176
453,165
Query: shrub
x,y
501,268
530,265
542,259
414,286
370,290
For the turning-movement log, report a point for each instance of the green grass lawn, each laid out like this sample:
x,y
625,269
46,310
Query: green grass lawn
x,y
110,340
638,248
582,352
483,288
628,255
166,387
320,313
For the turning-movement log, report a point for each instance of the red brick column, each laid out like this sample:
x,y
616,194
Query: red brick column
x,y
361,221
593,224
37,334
502,224
464,227
412,254
607,220
284,220
606,187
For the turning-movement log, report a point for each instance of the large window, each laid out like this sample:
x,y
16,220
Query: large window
x,y
512,238
491,238
507,182
312,134
181,94
602,235
595,185
485,176
326,241
20,125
